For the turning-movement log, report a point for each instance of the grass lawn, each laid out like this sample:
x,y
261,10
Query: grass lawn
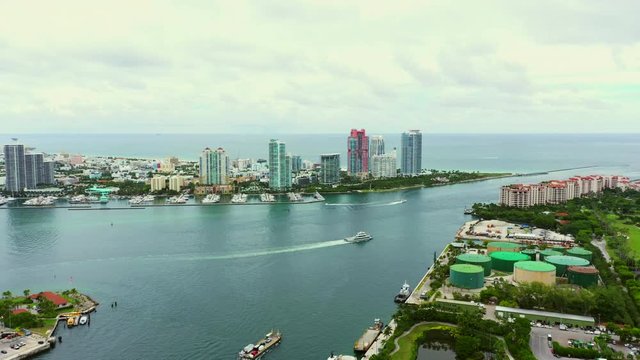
x,y
631,230
407,342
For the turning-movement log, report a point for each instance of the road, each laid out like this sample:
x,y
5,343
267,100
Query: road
x,y
540,346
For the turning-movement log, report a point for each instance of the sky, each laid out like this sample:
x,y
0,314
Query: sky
x,y
325,66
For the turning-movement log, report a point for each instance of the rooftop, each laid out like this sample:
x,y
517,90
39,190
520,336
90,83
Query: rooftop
x,y
535,266
566,260
546,314
511,256
467,268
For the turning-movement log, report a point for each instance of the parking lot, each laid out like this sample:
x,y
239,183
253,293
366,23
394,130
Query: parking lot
x,y
542,350
30,345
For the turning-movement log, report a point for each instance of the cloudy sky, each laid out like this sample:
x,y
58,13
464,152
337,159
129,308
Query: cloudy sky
x,y
319,66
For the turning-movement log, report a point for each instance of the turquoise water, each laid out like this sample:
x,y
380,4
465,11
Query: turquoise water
x,y
202,282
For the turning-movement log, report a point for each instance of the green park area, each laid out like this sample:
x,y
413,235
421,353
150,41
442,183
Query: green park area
x,y
627,229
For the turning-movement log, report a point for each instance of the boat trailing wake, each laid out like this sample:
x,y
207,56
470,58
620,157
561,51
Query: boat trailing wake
x,y
370,204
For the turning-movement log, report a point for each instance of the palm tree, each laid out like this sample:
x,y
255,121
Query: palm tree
x,y
26,292
7,294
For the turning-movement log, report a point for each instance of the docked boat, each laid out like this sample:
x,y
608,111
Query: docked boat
x,y
361,236
368,337
136,200
239,198
318,197
403,294
211,199
3,200
265,197
261,347
83,320
468,211
82,199
174,200
41,201
148,198
295,197
104,198
341,357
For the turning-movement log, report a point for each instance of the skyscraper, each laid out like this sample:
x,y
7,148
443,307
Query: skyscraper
x,y
384,166
279,166
296,163
34,170
358,153
214,167
330,171
377,145
411,162
15,167
48,172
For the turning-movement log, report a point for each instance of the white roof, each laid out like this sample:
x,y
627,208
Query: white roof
x,y
546,314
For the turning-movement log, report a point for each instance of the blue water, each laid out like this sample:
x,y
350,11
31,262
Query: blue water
x,y
202,282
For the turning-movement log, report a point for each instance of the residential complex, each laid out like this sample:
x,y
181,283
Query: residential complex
x,y
358,153
411,146
384,165
559,191
376,146
158,183
330,168
214,167
279,166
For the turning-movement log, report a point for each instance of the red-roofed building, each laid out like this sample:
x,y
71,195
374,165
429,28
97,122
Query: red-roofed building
x,y
19,311
56,299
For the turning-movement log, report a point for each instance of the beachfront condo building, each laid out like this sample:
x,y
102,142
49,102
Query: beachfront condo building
x,y
176,183
15,168
376,145
330,168
214,167
384,166
296,163
411,146
358,153
34,170
279,166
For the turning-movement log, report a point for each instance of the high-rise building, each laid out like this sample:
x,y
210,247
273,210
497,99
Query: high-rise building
x,y
376,147
330,171
176,183
296,163
384,166
158,183
34,170
411,162
15,168
358,153
214,167
48,172
279,166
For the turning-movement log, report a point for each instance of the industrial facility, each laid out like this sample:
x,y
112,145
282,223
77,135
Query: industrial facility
x,y
504,261
476,259
562,262
466,276
534,271
502,246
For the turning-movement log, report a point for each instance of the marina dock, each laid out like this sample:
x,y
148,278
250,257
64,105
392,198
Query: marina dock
x,y
368,337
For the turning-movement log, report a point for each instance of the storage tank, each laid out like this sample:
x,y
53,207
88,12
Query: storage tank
x,y
581,253
534,271
502,246
548,252
531,253
466,276
585,276
562,262
476,259
503,261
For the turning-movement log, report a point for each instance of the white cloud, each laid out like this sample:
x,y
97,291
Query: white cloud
x,y
318,66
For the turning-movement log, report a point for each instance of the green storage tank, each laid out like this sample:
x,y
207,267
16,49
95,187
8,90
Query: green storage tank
x,y
466,276
562,262
476,259
548,252
531,253
503,246
581,253
559,248
503,261
585,276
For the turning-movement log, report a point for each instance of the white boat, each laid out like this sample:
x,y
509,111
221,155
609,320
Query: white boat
x,y
83,320
361,236
182,199
136,200
3,200
294,196
265,197
148,198
341,357
40,201
239,198
403,294
211,199
318,197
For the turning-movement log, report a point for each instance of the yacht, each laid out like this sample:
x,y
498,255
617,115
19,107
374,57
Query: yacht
x,y
341,357
148,198
294,196
104,198
239,198
265,197
261,347
3,200
182,199
83,320
318,197
136,200
403,294
361,236
211,199
41,201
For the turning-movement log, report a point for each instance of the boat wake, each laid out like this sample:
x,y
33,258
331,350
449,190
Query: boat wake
x,y
370,204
